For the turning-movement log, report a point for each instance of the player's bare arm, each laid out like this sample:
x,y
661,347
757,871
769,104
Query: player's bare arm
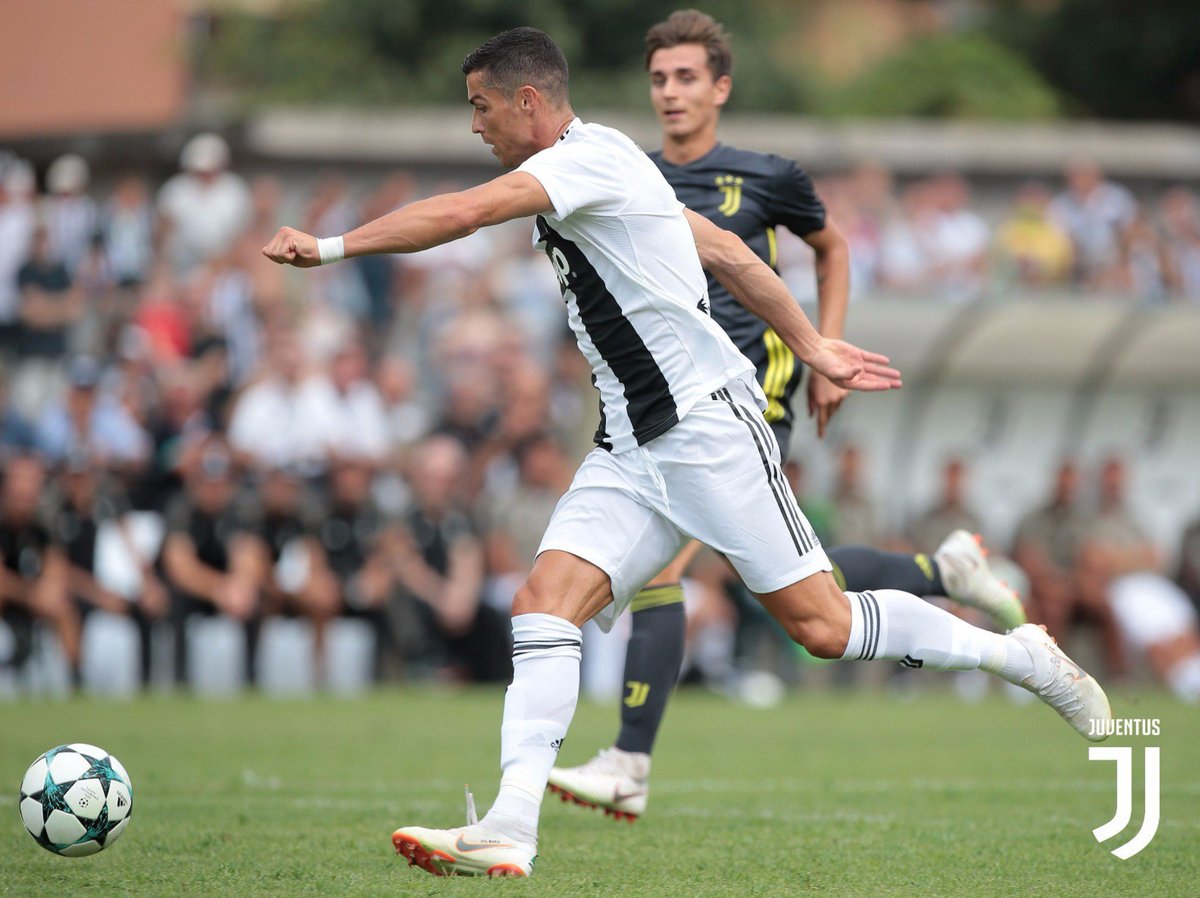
x,y
759,289
425,223
832,262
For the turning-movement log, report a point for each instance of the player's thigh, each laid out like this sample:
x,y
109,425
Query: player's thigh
x,y
564,585
613,531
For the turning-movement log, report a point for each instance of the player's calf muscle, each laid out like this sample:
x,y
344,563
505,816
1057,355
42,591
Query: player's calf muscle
x,y
814,612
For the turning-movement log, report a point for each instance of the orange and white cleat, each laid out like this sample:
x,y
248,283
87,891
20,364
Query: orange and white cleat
x,y
471,850
962,560
614,781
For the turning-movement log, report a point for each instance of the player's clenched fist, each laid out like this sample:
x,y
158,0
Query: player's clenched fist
x,y
292,247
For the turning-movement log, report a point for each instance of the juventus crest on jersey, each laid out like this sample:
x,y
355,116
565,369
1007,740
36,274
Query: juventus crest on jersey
x,y
636,296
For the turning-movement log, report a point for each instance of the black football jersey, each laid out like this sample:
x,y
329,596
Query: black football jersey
x,y
751,194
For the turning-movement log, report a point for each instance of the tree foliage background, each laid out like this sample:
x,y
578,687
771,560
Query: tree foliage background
x,y
1006,59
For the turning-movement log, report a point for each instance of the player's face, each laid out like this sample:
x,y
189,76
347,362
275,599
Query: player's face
x,y
501,121
683,92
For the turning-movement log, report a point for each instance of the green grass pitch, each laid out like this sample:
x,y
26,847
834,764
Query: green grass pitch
x,y
831,794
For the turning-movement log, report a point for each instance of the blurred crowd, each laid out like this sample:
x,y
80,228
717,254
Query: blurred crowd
x,y
1086,234
188,430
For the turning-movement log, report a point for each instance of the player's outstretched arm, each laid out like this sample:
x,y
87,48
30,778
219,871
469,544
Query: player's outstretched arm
x,y
420,225
759,289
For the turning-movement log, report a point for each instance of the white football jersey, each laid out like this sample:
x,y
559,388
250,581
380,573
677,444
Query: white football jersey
x,y
637,298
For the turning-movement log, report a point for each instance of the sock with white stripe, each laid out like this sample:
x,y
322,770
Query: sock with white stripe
x,y
888,623
538,708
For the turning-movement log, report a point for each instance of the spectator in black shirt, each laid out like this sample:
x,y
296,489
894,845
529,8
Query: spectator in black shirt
x,y
294,581
83,508
352,550
440,563
33,576
212,557
48,308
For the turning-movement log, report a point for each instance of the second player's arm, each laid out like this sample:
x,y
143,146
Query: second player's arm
x,y
424,224
759,289
832,263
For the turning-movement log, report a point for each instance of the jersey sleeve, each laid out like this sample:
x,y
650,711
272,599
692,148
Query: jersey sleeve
x,y
795,204
577,177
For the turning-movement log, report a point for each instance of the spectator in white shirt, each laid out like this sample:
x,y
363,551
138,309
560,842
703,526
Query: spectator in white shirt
x,y
128,229
407,419
270,425
1180,211
204,208
69,214
958,243
1097,214
346,408
18,221
904,259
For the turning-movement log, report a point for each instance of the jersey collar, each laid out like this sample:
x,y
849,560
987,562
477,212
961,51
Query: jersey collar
x,y
571,127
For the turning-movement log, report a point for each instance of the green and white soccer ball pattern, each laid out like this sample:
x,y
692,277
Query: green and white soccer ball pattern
x,y
76,799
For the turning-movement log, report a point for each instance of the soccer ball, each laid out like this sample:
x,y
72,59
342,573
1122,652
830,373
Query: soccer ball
x,y
76,799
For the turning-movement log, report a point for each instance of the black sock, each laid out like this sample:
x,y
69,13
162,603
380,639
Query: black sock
x,y
652,663
865,568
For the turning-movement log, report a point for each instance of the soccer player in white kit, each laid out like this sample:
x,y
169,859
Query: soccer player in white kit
x,y
682,449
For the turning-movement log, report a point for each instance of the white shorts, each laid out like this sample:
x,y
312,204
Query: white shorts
x,y
1150,609
715,477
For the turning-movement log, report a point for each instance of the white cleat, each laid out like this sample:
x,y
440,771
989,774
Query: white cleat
x,y
969,580
1064,685
470,850
615,781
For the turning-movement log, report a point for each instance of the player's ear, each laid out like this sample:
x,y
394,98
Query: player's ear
x,y
723,86
527,96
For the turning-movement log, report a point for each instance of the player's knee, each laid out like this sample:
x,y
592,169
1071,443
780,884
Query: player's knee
x,y
820,638
529,599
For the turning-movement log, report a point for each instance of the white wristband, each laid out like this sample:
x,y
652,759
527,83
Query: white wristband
x,y
331,249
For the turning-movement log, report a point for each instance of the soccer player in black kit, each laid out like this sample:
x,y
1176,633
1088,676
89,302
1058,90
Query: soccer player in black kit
x,y
689,61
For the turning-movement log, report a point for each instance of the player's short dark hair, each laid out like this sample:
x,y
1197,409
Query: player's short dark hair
x,y
690,26
521,56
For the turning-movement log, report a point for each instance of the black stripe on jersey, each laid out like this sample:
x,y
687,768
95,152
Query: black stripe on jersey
x,y
652,409
601,438
807,538
769,464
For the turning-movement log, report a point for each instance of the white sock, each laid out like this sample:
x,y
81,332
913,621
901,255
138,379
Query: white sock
x,y
538,708
888,623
